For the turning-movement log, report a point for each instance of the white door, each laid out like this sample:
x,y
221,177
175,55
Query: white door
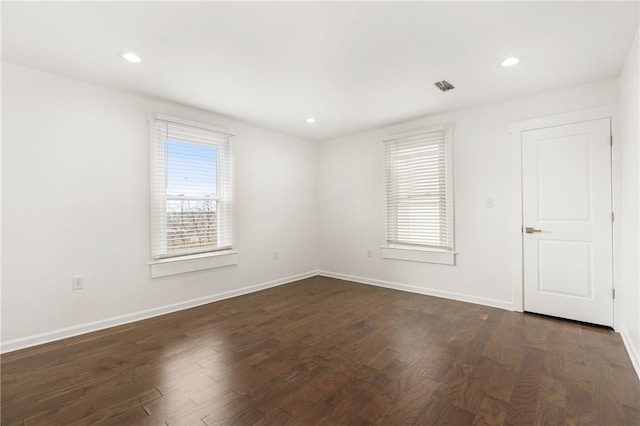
x,y
567,247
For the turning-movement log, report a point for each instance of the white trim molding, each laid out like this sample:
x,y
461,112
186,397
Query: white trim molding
x,y
191,123
516,129
633,355
494,303
606,111
63,333
417,254
196,262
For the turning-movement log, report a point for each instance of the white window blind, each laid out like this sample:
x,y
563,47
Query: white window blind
x,y
191,178
419,190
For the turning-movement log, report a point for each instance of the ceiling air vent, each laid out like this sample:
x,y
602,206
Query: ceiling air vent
x,y
444,85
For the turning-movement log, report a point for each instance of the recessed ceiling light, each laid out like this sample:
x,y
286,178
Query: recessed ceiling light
x,y
130,57
311,120
509,62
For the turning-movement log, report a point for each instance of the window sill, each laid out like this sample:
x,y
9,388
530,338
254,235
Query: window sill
x,y
195,262
414,254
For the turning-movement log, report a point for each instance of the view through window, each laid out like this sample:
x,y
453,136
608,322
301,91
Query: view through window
x,y
191,211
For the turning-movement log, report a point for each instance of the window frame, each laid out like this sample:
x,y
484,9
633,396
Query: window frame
x,y
186,261
417,252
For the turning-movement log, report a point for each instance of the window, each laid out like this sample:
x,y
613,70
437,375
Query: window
x,y
191,203
419,196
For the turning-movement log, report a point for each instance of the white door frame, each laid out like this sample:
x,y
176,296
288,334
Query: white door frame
x,y
515,129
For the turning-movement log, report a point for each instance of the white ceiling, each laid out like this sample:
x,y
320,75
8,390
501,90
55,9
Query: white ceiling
x,y
352,65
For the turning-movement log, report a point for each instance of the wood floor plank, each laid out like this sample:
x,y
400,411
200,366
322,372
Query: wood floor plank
x,y
579,402
522,406
552,392
631,415
276,417
491,412
412,404
500,383
549,414
323,351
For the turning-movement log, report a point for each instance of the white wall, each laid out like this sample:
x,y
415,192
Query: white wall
x,y
351,199
75,200
76,155
629,278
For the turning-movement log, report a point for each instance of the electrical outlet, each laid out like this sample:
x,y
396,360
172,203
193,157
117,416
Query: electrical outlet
x,y
77,282
369,254
275,255
488,202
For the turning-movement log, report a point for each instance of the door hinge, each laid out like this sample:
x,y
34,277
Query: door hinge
x,y
614,293
613,217
610,140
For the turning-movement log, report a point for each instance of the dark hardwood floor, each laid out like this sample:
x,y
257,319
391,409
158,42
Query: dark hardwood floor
x,y
325,351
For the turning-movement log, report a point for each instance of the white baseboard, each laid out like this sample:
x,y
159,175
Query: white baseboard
x,y
633,354
421,290
63,333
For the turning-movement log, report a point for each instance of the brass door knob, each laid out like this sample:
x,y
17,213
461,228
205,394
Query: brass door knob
x,y
530,230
